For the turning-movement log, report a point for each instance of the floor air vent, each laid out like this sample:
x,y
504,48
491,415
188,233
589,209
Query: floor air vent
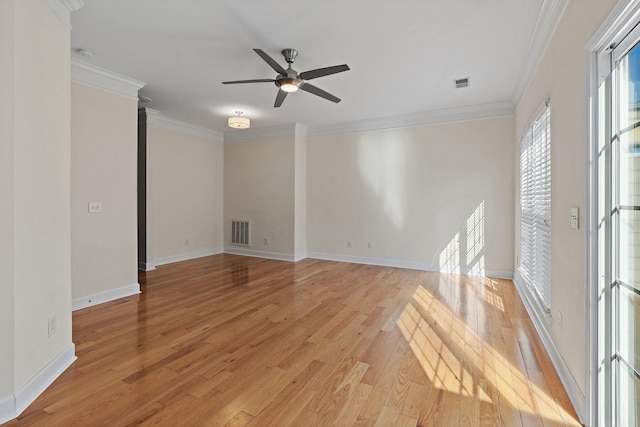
x,y
240,232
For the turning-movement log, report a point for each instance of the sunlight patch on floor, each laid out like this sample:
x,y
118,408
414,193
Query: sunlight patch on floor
x,y
426,319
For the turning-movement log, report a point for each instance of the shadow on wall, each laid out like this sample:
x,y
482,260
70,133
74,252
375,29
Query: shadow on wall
x,y
383,166
464,254
422,203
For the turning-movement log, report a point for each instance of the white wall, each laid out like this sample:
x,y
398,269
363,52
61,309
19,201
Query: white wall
x,y
104,129
300,194
562,76
7,215
35,270
438,197
259,185
184,195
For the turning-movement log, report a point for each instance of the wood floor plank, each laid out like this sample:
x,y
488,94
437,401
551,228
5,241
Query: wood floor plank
x,y
387,417
350,411
399,393
413,403
240,420
227,340
405,421
286,406
382,388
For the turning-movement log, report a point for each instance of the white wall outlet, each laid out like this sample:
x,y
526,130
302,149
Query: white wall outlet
x,y
349,243
187,243
266,240
574,218
369,245
95,207
53,325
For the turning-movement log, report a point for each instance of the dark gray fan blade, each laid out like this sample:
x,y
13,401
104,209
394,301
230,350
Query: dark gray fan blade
x,y
280,98
249,81
269,60
319,72
317,91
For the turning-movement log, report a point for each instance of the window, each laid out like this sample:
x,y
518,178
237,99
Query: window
x,y
535,205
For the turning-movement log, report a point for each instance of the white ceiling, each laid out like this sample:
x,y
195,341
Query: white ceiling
x,y
404,55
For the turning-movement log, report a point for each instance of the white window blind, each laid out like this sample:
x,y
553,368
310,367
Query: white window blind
x,y
535,205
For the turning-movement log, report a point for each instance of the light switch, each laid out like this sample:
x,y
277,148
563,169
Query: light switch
x,y
95,207
574,218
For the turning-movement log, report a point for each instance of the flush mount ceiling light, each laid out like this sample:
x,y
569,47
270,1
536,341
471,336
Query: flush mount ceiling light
x,y
238,122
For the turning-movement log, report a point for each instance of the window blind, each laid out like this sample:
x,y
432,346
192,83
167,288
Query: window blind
x,y
535,206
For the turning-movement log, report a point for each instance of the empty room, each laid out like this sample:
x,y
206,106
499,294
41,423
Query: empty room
x,y
355,213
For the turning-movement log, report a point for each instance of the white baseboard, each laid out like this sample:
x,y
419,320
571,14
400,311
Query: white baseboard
x,y
13,405
146,266
299,257
261,254
106,296
186,256
577,397
499,274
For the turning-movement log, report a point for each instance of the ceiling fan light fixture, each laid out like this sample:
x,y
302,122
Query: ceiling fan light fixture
x,y
238,122
289,85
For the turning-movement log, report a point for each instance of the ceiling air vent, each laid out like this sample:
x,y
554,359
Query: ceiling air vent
x,y
460,83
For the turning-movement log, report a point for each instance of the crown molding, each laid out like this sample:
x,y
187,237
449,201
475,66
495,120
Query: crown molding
x,y
483,111
548,19
166,123
99,78
476,112
265,132
63,8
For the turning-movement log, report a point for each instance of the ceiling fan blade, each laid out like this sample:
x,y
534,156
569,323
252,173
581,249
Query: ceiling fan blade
x,y
317,91
280,98
249,81
269,60
319,72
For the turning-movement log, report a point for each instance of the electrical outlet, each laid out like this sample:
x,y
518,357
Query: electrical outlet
x,y
186,242
95,207
266,240
349,243
53,325
370,245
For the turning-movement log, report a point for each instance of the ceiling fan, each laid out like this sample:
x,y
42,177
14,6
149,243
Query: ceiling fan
x,y
290,80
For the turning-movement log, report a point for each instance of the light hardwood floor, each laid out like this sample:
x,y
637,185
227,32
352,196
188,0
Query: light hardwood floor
x,y
232,341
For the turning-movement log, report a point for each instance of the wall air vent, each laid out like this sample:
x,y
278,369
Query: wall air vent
x,y
240,232
460,83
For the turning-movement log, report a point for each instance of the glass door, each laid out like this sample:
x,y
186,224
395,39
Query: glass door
x,y
623,272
